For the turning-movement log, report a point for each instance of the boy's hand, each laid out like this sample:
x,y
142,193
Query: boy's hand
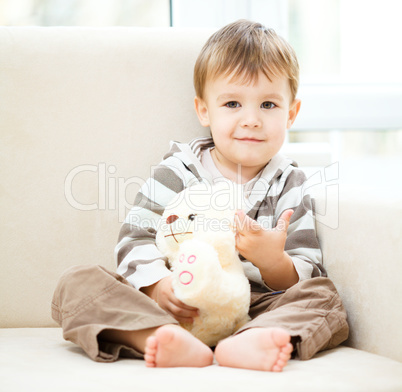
x,y
162,293
255,243
266,249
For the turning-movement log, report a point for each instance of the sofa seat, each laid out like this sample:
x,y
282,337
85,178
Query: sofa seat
x,y
65,367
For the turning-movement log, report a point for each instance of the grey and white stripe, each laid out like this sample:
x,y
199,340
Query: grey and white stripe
x,y
279,187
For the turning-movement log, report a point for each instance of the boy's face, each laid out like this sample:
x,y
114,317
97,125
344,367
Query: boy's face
x,y
248,122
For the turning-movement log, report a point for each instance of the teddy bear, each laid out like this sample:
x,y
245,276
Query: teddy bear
x,y
197,234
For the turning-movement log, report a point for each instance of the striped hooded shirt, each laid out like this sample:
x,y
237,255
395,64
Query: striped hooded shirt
x,y
279,186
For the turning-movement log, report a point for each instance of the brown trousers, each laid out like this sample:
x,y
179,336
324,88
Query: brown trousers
x,y
89,299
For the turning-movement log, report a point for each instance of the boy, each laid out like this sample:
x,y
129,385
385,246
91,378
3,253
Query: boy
x,y
246,80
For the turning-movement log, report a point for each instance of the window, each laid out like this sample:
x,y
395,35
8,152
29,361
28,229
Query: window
x,y
342,41
349,51
148,13
351,80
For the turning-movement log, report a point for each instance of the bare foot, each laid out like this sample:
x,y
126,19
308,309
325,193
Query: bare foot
x,y
173,346
266,349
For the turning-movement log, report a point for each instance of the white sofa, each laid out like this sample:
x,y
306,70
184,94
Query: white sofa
x,y
84,113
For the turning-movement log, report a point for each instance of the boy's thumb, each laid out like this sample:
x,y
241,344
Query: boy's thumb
x,y
283,222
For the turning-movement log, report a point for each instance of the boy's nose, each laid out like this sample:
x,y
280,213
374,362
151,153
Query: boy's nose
x,y
251,119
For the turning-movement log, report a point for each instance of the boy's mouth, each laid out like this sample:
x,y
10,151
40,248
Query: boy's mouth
x,y
250,140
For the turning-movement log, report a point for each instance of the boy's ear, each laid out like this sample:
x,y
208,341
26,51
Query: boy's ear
x,y
202,111
293,111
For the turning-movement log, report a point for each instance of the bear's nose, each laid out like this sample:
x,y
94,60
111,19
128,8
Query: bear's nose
x,y
172,218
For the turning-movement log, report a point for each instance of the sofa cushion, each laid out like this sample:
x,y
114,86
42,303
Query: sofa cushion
x,y
84,114
39,358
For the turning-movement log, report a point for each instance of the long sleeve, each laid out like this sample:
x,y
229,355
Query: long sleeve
x,y
282,187
137,257
302,243
136,254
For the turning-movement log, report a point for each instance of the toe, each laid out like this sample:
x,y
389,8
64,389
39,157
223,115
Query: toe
x,y
281,338
149,360
151,343
284,356
277,368
287,350
150,351
281,363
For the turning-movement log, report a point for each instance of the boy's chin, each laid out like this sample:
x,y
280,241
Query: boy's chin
x,y
254,163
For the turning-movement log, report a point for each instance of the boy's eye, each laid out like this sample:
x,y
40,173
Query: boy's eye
x,y
191,217
268,105
232,104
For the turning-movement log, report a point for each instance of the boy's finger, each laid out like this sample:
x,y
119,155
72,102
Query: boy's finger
x,y
187,307
184,320
283,221
245,224
178,311
238,219
179,304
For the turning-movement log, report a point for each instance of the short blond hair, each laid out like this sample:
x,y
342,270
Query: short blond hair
x,y
243,49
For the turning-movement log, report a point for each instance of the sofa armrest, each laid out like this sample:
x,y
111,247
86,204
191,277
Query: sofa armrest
x,y
362,254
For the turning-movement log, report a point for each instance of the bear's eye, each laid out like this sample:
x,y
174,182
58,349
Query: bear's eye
x,y
191,217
